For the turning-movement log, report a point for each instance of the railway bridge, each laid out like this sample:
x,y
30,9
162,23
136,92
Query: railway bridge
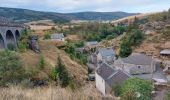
x,y
9,33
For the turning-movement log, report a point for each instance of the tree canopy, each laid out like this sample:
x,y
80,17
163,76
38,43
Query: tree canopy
x,y
141,88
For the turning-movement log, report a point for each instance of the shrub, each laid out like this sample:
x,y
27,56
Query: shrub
x,y
47,36
125,50
11,46
116,89
129,95
41,62
133,38
167,97
23,41
60,74
11,70
137,86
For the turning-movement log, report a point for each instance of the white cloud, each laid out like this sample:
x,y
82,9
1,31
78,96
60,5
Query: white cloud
x,y
89,5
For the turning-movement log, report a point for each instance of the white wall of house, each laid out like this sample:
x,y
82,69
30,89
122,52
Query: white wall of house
x,y
138,69
62,39
99,57
135,69
110,58
100,84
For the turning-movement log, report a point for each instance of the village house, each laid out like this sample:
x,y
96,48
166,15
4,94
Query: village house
x,y
106,55
57,37
90,45
107,77
136,63
165,52
167,66
142,66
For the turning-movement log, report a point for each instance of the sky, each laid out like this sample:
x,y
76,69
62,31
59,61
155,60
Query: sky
x,y
68,6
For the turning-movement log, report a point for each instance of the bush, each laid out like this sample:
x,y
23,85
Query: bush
x,y
23,41
133,38
129,95
41,62
79,44
74,55
167,97
11,70
11,46
116,90
133,86
60,74
125,50
47,36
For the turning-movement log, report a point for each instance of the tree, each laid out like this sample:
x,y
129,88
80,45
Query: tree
x,y
63,76
141,88
133,38
11,70
42,62
125,49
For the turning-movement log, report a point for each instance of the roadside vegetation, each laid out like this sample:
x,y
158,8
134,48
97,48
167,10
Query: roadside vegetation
x,y
11,69
95,31
60,74
70,48
23,41
134,89
132,38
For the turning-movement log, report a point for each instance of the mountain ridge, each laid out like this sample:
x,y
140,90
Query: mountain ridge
x,y
26,15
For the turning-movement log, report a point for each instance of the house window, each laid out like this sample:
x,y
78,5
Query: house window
x,y
139,67
168,68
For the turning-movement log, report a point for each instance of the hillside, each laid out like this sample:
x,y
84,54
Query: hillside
x,y
157,34
24,15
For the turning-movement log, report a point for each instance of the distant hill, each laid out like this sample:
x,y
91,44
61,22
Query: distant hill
x,y
24,15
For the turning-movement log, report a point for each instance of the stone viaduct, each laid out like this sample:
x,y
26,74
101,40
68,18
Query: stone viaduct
x,y
9,34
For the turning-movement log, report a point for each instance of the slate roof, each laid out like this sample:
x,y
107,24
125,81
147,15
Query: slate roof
x,y
104,70
57,36
165,52
118,77
112,76
91,43
106,52
138,59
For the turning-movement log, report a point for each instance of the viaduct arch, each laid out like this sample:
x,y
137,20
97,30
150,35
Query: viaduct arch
x,y
9,35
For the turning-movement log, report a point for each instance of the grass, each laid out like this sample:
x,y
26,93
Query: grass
x,y
49,93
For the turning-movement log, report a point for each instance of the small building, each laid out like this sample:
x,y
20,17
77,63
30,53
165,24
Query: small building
x,y
106,55
90,45
106,77
137,63
165,52
92,58
57,37
167,66
81,49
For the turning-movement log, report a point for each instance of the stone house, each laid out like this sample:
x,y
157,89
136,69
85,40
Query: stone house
x,y
165,52
90,45
106,77
57,37
106,55
136,63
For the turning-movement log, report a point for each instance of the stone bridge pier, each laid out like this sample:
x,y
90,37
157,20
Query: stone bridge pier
x,y
9,36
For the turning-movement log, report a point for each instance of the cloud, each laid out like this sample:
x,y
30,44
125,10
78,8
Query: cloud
x,y
89,5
